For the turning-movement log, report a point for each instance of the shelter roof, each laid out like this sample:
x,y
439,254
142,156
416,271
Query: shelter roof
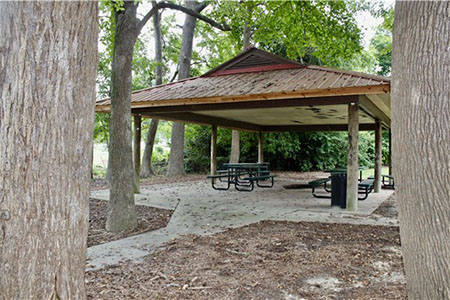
x,y
255,76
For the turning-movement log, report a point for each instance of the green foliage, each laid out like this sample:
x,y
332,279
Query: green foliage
x,y
323,30
381,43
297,151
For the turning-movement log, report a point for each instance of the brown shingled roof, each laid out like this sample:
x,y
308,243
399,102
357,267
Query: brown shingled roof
x,y
258,73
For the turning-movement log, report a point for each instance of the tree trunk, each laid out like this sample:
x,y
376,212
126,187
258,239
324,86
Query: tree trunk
x,y
235,146
48,62
421,141
150,141
121,213
352,157
176,160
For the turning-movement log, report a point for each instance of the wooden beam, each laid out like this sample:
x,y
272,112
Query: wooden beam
x,y
206,120
306,128
352,158
383,103
213,150
260,147
316,101
315,93
137,145
378,157
390,152
369,107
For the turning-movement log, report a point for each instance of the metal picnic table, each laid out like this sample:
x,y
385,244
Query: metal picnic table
x,y
338,190
243,176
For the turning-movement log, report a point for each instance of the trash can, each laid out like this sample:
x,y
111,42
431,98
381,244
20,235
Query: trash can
x,y
339,189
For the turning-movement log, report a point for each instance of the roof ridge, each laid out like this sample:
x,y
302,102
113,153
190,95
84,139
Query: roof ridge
x,y
248,53
353,73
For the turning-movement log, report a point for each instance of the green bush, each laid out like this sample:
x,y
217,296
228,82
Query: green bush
x,y
296,151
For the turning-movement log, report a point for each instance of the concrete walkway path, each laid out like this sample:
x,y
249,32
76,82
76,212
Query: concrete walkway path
x,y
201,210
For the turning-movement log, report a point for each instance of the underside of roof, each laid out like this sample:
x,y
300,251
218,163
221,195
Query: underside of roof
x,y
259,91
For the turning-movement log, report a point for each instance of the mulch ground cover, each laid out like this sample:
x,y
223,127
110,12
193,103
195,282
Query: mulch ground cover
x,y
101,183
388,208
149,218
266,260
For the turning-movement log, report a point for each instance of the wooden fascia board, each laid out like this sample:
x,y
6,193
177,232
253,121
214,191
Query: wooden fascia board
x,y
306,128
204,120
318,101
369,107
346,91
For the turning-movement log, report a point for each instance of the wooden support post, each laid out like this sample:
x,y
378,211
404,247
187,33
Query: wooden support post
x,y
260,147
137,153
137,145
352,158
213,149
378,156
390,153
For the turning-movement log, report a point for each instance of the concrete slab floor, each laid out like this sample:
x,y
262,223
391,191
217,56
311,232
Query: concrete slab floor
x,y
202,210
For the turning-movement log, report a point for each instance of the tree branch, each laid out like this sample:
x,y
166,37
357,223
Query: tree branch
x,y
160,5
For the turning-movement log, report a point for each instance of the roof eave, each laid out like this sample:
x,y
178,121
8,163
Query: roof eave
x,y
341,91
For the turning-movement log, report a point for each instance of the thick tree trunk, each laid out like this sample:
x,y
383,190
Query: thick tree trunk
x,y
421,141
235,146
48,60
352,157
150,141
121,211
176,160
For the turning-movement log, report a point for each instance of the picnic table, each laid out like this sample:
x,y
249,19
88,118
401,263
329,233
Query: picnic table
x,y
337,192
243,176
344,170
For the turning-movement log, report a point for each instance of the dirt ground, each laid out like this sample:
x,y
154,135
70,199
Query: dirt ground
x,y
266,260
388,208
149,218
101,183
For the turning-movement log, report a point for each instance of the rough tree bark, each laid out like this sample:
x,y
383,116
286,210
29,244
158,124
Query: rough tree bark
x,y
146,170
176,159
47,84
235,146
235,135
421,140
121,213
352,157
